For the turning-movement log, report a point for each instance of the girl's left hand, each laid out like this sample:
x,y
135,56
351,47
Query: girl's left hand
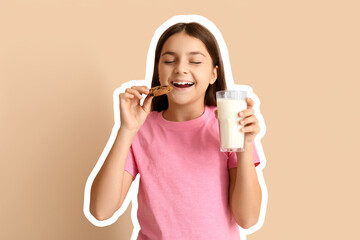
x,y
250,123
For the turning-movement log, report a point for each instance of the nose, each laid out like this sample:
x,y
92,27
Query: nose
x,y
181,67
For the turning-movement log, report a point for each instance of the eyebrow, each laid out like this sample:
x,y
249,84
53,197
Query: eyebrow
x,y
189,53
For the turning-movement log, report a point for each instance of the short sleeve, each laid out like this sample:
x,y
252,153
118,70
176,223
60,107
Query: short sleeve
x,y
131,166
232,158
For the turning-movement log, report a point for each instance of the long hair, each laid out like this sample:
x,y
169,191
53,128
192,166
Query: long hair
x,y
200,32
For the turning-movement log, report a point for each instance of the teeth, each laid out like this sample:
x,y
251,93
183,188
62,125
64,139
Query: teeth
x,y
183,83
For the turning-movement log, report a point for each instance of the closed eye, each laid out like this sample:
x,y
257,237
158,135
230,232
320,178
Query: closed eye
x,y
196,62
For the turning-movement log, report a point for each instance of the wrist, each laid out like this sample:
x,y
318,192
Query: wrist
x,y
128,132
248,145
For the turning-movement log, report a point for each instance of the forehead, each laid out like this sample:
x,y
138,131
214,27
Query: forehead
x,y
182,43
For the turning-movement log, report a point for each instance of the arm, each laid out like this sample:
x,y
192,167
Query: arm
x,y
110,184
245,191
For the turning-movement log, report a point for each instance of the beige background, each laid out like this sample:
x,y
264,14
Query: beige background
x,y
60,62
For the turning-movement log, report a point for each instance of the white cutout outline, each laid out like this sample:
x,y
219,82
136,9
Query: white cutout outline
x,y
133,191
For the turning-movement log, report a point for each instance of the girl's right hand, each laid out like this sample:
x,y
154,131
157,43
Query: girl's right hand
x,y
132,114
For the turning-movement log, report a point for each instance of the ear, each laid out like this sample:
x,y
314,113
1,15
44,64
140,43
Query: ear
x,y
214,75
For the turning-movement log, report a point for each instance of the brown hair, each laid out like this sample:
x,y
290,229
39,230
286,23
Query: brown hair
x,y
200,32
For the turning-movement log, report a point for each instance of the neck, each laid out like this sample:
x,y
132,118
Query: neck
x,y
181,113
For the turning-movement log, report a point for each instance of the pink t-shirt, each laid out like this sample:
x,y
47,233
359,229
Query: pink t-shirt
x,y
184,179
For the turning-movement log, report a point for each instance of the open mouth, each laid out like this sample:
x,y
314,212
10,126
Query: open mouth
x,y
182,84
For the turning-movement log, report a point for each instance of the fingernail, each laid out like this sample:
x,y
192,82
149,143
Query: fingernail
x,y
241,114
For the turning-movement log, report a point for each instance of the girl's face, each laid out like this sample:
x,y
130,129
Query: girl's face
x,y
186,65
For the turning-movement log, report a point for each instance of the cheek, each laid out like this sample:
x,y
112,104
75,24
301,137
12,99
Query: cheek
x,y
163,76
163,70
203,76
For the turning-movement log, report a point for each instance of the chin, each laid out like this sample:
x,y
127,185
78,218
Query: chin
x,y
183,101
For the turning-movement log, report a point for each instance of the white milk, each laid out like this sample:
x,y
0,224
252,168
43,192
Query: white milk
x,y
230,135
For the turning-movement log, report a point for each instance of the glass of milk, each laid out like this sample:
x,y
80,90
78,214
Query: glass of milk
x,y
229,104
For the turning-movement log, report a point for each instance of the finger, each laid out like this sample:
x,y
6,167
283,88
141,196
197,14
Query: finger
x,y
141,89
246,112
147,103
134,92
216,113
253,128
247,129
248,120
126,96
250,103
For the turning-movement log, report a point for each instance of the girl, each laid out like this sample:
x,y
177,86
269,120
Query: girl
x,y
188,189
